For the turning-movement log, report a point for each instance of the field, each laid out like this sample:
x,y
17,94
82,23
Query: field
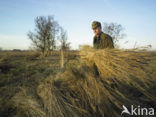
x,y
92,83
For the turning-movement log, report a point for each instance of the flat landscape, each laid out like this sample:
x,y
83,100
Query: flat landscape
x,y
92,83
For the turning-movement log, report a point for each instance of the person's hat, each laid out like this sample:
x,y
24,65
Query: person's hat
x,y
96,24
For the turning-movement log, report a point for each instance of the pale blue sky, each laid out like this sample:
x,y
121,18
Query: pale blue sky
x,y
137,16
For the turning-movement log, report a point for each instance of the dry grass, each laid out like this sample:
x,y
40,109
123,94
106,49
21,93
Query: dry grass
x,y
100,83
26,106
96,85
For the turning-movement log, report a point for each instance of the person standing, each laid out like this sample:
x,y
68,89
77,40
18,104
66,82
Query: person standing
x,y
101,40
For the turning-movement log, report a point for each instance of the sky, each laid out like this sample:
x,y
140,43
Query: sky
x,y
138,17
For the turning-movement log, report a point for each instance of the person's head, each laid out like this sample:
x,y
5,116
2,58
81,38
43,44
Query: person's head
x,y
96,26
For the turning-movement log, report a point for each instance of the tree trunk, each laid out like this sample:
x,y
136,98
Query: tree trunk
x,y
62,59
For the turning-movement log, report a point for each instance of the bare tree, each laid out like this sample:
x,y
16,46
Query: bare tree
x,y
114,30
44,36
64,45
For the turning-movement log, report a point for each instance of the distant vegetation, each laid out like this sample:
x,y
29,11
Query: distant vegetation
x,y
116,31
46,34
